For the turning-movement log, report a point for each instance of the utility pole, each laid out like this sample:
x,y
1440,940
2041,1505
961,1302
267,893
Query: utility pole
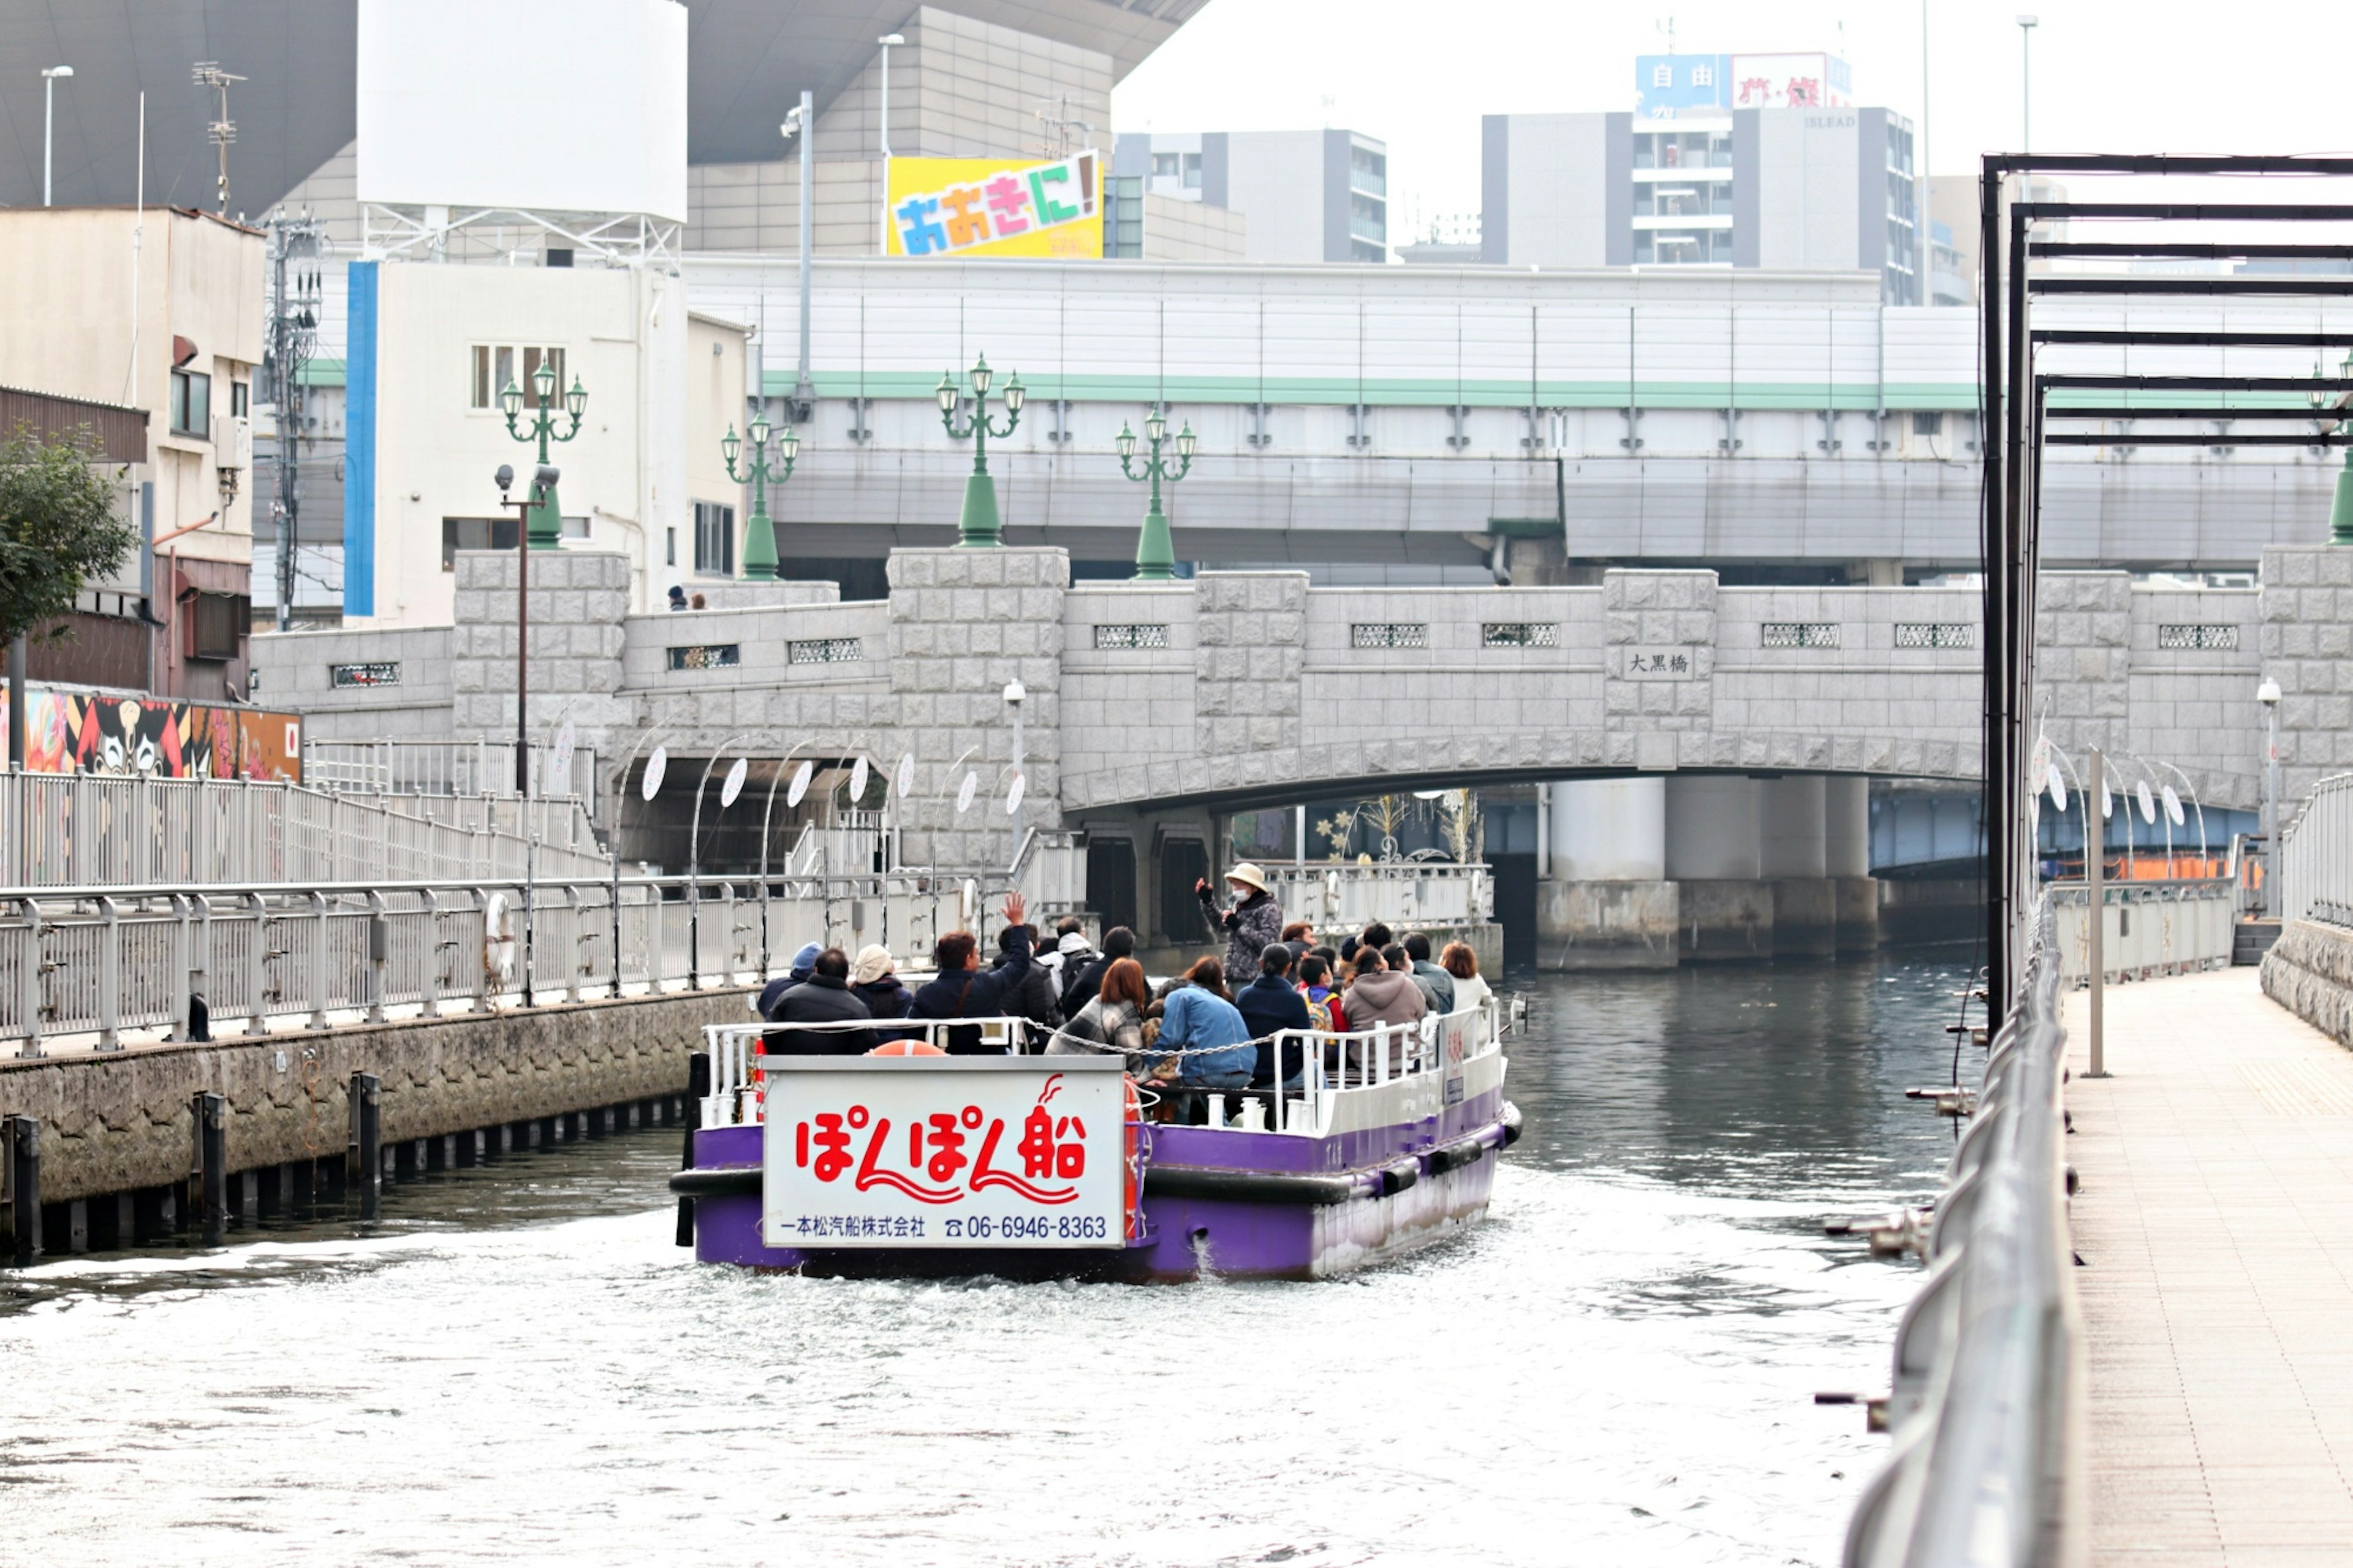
x,y
293,336
223,130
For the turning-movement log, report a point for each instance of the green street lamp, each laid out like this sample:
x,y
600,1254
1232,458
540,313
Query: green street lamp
x,y
2340,515
978,528
1156,557
545,525
759,532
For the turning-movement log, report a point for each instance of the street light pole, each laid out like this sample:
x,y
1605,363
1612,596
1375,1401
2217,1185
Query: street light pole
x,y
1156,554
977,528
546,528
2026,26
883,206
2268,694
759,532
49,123
543,486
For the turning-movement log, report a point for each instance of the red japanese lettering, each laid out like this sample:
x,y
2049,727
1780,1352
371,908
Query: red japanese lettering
x,y
833,1145
871,1173
947,1147
1037,1145
1070,1148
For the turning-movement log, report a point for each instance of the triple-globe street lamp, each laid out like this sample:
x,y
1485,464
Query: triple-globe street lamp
x,y
1155,556
759,532
977,528
544,527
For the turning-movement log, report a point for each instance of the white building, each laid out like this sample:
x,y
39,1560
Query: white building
x,y
1304,195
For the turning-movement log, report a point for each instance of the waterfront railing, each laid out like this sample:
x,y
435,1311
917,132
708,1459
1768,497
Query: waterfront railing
x,y
99,830
444,768
1338,895
2316,856
2152,928
182,961
1987,1404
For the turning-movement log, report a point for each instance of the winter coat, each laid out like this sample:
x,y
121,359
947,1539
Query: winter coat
x,y
1270,1004
1082,980
1388,997
1032,997
1116,1025
1437,987
975,994
1252,927
821,999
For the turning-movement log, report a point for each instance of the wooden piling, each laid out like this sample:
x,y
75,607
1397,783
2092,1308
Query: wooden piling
x,y
211,1183
24,1141
363,1161
698,1085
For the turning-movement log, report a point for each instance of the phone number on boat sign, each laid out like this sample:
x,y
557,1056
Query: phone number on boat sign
x,y
943,1152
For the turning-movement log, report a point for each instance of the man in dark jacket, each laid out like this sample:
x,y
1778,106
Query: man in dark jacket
x,y
964,990
824,998
1087,985
1436,983
797,975
1269,1003
1032,996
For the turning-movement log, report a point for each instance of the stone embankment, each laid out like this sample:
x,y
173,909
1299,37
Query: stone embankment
x,y
2309,971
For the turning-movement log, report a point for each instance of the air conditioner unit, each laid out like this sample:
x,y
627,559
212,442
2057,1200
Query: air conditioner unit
x,y
233,441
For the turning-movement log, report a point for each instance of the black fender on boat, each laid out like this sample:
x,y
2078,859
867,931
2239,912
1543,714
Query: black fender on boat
x,y
1514,1124
1313,1190
1397,1178
717,1182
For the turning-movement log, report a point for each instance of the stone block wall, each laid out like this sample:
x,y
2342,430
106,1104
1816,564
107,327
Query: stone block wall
x,y
2309,971
1657,723
2308,647
964,623
2082,661
1249,657
294,670
579,599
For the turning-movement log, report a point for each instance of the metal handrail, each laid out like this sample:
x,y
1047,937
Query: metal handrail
x,y
2315,869
1986,1407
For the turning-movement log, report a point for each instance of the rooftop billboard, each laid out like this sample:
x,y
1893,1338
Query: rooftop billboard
x,y
994,206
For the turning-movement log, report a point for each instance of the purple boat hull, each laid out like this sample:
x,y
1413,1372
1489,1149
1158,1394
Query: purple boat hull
x,y
1239,1204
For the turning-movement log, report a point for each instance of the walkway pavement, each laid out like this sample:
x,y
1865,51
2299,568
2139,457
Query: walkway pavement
x,y
2215,1222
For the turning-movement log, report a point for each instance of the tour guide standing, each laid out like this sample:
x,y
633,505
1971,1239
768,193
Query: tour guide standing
x,y
1254,924
964,990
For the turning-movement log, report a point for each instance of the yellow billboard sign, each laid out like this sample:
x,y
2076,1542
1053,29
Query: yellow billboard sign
x,y
994,206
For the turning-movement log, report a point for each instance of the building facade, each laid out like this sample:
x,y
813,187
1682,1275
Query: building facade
x,y
1302,195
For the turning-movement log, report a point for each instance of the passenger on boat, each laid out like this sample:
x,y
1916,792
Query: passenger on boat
x,y
963,990
1056,960
1032,997
1112,1017
1375,933
1379,996
1436,983
824,998
873,977
1086,984
1323,998
1255,920
1199,1019
1299,937
797,975
1470,989
1268,1006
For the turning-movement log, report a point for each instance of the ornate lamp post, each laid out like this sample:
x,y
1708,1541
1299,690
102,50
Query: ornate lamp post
x,y
2340,515
759,532
977,529
545,525
1156,557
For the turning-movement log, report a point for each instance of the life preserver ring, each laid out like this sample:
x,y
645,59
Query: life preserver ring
x,y
906,1048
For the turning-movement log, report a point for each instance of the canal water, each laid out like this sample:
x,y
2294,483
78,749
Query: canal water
x,y
517,1363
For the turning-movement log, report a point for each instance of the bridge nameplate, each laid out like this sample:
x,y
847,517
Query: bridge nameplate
x,y
1665,663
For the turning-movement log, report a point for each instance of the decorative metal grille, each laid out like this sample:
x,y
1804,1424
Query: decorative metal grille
x,y
2198,636
707,655
826,650
1801,634
1936,634
343,676
1520,634
1150,634
1389,634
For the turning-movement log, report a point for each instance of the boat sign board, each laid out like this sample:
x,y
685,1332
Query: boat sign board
x,y
938,1152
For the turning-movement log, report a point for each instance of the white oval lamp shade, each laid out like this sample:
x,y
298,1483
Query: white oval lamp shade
x,y
906,777
1013,795
734,784
858,775
649,783
966,791
799,787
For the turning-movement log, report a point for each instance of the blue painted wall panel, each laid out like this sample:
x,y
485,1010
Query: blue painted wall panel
x,y
359,441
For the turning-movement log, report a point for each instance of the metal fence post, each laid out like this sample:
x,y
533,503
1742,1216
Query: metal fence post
x,y
109,975
379,955
579,937
430,981
482,953
30,980
318,962
184,964
257,960
363,1160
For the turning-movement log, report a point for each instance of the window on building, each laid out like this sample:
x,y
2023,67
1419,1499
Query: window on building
x,y
474,534
714,539
1663,76
670,547
496,365
1192,171
191,403
218,623
240,396
1164,165
1927,424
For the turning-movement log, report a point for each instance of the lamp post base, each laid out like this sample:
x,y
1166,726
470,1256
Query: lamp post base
x,y
760,548
543,523
979,528
1156,554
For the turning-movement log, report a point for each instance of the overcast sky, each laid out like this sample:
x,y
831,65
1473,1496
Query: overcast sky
x,y
2110,76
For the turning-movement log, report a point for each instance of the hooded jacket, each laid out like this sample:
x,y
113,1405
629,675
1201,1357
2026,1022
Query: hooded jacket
x,y
1388,998
820,999
976,993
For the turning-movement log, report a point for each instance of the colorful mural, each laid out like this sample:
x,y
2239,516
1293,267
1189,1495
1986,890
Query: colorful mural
x,y
95,733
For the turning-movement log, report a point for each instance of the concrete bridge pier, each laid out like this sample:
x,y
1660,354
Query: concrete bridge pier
x,y
1789,834
1716,853
1605,901
1846,861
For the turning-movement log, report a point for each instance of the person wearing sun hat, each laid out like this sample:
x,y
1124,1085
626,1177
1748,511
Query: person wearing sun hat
x,y
1254,924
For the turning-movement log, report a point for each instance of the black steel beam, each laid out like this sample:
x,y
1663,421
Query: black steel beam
x,y
2164,163
2135,337
2191,211
2264,285
2114,411
2062,381
2198,251
2189,439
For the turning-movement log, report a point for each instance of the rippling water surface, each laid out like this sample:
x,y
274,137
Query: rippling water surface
x,y
517,1365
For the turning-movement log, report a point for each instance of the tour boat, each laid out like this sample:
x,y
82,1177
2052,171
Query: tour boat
x,y
1040,1165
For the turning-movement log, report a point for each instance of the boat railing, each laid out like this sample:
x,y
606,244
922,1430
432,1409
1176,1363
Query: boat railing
x,y
1330,1064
